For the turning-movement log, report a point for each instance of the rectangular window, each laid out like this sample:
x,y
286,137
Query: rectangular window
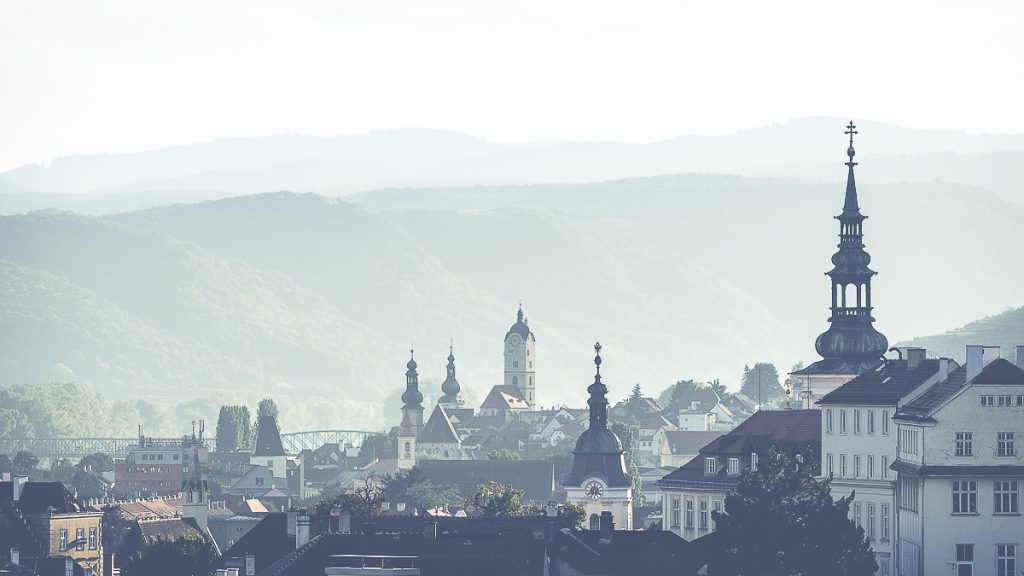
x,y
885,422
80,539
908,495
988,400
718,508
753,461
734,466
856,421
871,421
856,514
63,540
871,521
1005,400
689,513
1005,445
675,512
828,421
1005,497
883,569
965,444
856,465
885,467
842,465
885,522
965,497
703,515
1006,560
92,538
842,421
711,465
828,463
1020,400
964,560
871,466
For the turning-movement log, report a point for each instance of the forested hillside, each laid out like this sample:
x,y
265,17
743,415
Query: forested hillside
x,y
316,301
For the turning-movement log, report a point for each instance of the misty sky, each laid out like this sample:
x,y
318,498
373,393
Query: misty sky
x,y
103,77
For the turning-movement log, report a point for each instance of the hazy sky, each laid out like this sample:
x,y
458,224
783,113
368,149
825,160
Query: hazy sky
x,y
101,77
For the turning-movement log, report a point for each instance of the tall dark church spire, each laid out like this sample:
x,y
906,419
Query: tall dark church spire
x,y
450,387
598,402
851,344
412,397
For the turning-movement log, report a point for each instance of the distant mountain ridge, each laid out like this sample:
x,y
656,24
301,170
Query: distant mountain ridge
x,y
432,158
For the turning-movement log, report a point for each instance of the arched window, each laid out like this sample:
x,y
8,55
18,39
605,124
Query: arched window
x,y
595,522
515,381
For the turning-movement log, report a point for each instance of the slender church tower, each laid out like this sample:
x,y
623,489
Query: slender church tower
x,y
521,359
412,416
851,345
598,480
195,494
450,387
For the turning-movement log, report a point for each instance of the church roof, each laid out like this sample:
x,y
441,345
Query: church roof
x,y
438,429
505,398
268,438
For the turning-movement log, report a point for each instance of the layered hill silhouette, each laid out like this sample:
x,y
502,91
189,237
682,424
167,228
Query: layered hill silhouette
x,y
316,300
1005,330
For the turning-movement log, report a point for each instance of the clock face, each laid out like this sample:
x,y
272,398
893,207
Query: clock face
x,y
594,490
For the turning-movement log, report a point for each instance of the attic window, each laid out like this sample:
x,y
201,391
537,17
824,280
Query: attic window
x,y
711,465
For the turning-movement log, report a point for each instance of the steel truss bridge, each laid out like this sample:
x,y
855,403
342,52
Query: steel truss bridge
x,y
294,443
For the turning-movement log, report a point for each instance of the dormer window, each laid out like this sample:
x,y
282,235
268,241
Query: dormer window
x,y
734,466
711,464
753,461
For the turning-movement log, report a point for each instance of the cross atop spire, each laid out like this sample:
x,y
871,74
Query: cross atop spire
x,y
851,129
597,358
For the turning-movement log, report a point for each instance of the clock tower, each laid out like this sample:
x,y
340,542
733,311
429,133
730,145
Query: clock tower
x,y
521,359
598,479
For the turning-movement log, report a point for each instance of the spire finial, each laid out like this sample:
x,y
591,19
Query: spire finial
x,y
597,357
851,129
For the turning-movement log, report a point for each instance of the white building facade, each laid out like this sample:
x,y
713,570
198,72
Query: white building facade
x,y
859,443
960,471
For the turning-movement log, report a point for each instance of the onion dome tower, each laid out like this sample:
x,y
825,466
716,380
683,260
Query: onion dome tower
x,y
412,398
450,387
851,345
598,479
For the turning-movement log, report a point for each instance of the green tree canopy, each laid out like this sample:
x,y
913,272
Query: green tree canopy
x,y
762,381
181,557
24,462
234,429
267,407
503,454
628,436
495,499
97,462
782,521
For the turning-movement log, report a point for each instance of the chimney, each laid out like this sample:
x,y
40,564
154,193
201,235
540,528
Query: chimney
x,y
17,485
607,526
915,357
292,514
250,564
430,531
301,529
978,357
1020,356
943,369
15,556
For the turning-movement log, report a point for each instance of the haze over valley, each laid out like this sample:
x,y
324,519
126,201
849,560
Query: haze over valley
x,y
291,266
